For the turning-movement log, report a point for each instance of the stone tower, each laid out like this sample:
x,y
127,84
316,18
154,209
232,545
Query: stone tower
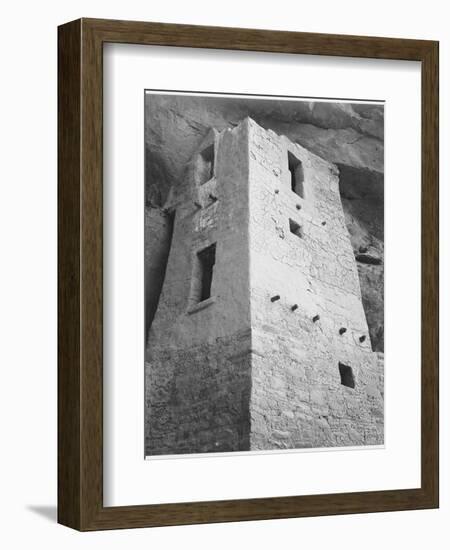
x,y
260,340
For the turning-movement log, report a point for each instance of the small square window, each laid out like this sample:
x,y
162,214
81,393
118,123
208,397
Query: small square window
x,y
296,229
347,378
296,175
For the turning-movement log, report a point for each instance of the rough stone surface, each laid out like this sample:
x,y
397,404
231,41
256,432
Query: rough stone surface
x,y
198,398
244,369
158,237
297,397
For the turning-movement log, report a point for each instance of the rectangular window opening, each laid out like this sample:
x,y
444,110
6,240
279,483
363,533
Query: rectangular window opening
x,y
295,228
206,260
296,174
347,378
205,165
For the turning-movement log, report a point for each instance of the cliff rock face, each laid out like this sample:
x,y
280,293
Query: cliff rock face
x,y
349,135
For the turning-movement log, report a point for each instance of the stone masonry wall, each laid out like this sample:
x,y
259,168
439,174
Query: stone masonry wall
x,y
198,398
318,321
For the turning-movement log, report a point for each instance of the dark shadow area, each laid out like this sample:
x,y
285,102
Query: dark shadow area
x,y
158,239
297,177
362,195
156,177
347,378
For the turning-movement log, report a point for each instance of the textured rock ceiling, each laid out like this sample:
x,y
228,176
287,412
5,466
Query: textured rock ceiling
x,y
350,134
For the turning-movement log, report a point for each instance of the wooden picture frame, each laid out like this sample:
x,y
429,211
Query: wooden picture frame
x,y
80,271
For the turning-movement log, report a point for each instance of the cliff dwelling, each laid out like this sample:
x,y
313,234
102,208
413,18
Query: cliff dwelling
x,y
257,332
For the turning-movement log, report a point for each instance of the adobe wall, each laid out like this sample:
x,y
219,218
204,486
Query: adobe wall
x,y
297,396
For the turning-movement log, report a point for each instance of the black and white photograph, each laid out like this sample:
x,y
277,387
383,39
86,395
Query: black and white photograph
x,y
264,249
